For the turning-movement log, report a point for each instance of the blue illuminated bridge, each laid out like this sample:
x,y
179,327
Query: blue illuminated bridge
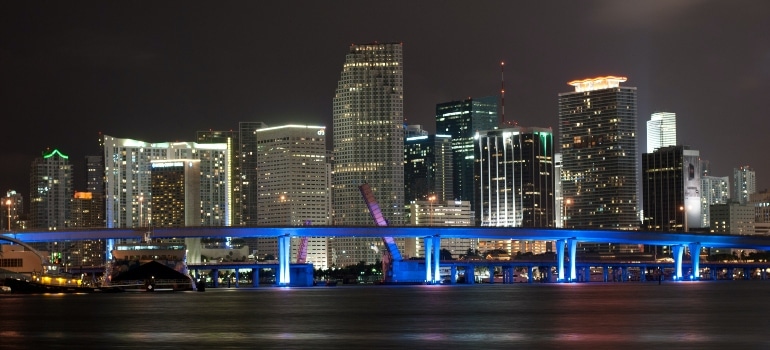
x,y
427,270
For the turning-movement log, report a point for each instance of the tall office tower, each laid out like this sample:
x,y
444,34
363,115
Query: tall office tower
x,y
87,211
232,157
427,167
51,189
13,204
128,195
514,175
745,180
671,189
461,120
247,141
661,131
368,117
714,190
597,135
95,187
294,188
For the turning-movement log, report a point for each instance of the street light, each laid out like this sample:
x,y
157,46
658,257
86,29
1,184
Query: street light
x,y
8,203
431,199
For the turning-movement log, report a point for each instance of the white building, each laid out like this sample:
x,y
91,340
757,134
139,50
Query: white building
x,y
745,183
661,131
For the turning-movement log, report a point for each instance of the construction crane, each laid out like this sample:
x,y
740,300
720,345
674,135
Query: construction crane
x,y
391,253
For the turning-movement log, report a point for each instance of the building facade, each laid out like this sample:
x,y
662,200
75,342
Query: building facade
x,y
427,167
671,189
51,189
745,183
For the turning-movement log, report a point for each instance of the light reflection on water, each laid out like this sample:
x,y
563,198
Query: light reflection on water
x,y
695,315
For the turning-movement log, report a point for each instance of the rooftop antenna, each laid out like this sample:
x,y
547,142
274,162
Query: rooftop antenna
x,y
502,90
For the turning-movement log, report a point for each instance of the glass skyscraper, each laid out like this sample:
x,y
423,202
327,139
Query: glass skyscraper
x,y
597,134
661,131
461,120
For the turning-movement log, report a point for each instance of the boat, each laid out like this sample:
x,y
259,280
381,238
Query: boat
x,y
148,266
49,283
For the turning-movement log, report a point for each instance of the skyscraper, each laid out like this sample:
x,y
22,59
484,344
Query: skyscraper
x,y
661,131
714,190
597,135
368,143
514,176
51,191
427,167
461,120
745,180
248,161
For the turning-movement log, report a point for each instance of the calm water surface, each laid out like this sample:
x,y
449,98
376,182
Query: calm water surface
x,y
679,315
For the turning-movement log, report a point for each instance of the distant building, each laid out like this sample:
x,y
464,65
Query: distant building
x,y
661,131
732,218
248,161
51,187
761,203
714,190
368,117
87,211
232,157
441,213
745,183
13,208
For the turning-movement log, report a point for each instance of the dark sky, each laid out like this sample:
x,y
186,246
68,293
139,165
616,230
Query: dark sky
x,y
161,70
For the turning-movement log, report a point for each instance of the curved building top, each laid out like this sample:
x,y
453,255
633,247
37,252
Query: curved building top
x,y
598,83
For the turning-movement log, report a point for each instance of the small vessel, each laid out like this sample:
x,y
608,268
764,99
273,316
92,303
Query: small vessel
x,y
57,282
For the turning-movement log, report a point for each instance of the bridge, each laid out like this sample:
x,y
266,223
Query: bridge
x,y
566,242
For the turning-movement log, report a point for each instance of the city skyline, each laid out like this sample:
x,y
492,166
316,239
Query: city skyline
x,y
71,71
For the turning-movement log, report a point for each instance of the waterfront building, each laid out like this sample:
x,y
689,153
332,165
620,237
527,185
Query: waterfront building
x,y
732,218
51,188
561,205
761,203
661,131
460,120
448,213
368,145
87,211
745,183
247,143
672,189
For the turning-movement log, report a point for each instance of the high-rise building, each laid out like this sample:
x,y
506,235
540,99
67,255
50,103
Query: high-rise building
x,y
671,189
461,120
175,186
661,131
232,157
248,159
745,183
294,186
368,144
597,135
427,167
51,190
87,210
514,177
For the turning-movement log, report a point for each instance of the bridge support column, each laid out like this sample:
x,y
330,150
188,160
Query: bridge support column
x,y
470,278
453,275
572,245
237,277
560,260
530,274
695,257
436,259
428,246
284,260
255,277
678,254
215,277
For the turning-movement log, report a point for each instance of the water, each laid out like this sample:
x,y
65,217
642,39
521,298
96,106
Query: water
x,y
679,315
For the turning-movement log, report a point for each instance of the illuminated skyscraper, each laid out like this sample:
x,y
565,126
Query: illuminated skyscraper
x,y
461,120
597,135
51,190
661,131
368,144
671,179
427,167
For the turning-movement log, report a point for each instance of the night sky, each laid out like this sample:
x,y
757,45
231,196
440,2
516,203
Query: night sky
x,y
159,71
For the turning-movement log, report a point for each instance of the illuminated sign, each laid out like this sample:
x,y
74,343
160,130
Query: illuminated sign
x,y
598,83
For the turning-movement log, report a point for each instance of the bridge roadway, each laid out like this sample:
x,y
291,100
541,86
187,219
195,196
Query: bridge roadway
x,y
565,239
